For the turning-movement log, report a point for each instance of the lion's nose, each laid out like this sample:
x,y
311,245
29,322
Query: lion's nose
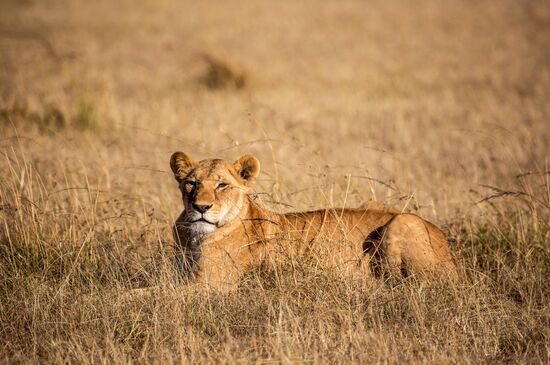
x,y
202,208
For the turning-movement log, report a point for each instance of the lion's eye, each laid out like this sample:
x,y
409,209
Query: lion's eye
x,y
222,186
189,185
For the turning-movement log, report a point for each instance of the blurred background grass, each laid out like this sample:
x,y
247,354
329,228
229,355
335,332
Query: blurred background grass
x,y
440,108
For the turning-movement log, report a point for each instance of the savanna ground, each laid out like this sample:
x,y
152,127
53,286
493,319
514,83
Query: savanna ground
x,y
440,108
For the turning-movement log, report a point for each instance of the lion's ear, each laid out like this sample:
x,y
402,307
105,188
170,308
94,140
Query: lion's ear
x,y
248,167
181,164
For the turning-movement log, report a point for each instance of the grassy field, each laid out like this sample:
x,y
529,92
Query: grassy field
x,y
439,108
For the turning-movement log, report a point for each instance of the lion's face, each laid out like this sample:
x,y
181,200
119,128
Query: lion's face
x,y
213,190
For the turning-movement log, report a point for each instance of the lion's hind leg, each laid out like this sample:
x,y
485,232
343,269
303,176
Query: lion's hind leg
x,y
409,245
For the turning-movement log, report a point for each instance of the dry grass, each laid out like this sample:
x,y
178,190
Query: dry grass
x,y
437,107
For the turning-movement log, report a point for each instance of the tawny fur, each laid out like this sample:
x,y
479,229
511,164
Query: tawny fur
x,y
236,232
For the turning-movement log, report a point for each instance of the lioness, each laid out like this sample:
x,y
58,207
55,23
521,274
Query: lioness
x,y
222,231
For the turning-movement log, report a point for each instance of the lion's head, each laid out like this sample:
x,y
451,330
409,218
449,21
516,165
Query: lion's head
x,y
213,190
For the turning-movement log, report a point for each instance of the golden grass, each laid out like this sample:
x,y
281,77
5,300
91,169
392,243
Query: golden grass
x,y
437,108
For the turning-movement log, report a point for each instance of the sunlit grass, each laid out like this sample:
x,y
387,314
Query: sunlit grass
x,y
439,109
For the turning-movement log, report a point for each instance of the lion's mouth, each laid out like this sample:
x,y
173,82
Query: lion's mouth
x,y
203,220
